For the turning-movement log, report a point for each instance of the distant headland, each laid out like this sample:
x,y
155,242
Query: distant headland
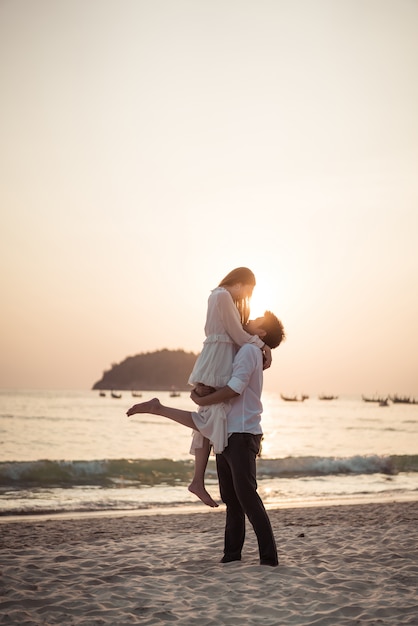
x,y
150,371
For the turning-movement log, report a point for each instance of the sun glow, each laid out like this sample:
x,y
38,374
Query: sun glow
x,y
261,299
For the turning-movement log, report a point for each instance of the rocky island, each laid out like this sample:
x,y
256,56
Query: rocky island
x,y
150,371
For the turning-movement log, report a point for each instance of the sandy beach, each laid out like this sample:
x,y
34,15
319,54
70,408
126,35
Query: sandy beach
x,y
345,564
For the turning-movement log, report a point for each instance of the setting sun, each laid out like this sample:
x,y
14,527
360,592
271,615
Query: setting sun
x,y
263,297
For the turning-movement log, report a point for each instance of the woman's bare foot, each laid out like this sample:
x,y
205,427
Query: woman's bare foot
x,y
200,491
151,406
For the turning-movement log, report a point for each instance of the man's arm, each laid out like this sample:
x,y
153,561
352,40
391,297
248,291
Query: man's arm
x,y
220,395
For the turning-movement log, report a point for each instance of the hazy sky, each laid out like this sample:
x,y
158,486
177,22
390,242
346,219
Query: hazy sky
x,y
147,147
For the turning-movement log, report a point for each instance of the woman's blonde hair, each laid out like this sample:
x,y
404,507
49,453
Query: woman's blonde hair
x,y
244,276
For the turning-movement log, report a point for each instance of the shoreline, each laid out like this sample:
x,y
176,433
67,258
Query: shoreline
x,y
340,564
199,508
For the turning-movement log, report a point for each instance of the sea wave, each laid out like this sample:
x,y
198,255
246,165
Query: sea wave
x,y
128,472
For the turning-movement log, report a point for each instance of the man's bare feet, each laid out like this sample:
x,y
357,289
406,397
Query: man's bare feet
x,y
200,491
151,406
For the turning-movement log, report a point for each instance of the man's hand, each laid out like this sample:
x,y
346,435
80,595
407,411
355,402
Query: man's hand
x,y
203,390
214,397
195,397
199,392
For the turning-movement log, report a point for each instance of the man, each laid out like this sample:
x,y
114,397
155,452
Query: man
x,y
236,465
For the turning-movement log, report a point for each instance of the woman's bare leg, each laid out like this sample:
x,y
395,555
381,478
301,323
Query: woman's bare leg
x,y
197,486
154,407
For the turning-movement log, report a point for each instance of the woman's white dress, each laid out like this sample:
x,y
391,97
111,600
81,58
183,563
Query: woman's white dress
x,y
213,367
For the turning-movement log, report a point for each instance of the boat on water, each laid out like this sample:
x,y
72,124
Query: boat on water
x,y
136,394
325,397
174,393
293,398
402,399
115,395
377,399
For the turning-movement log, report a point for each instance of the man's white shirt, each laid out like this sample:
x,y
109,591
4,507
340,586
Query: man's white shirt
x,y
244,415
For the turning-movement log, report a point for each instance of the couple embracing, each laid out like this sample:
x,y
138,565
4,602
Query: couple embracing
x,y
228,381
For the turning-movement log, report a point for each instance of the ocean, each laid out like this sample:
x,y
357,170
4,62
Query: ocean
x,y
77,452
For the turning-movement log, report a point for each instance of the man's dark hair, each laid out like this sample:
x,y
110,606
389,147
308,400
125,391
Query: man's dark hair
x,y
274,330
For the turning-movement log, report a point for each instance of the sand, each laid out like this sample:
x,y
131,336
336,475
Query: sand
x,y
339,565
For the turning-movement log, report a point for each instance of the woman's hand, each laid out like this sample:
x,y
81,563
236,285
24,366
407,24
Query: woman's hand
x,y
266,357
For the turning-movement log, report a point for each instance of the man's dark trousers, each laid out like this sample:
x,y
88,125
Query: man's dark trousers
x,y
236,467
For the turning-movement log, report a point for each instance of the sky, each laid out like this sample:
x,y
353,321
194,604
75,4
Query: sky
x,y
148,147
